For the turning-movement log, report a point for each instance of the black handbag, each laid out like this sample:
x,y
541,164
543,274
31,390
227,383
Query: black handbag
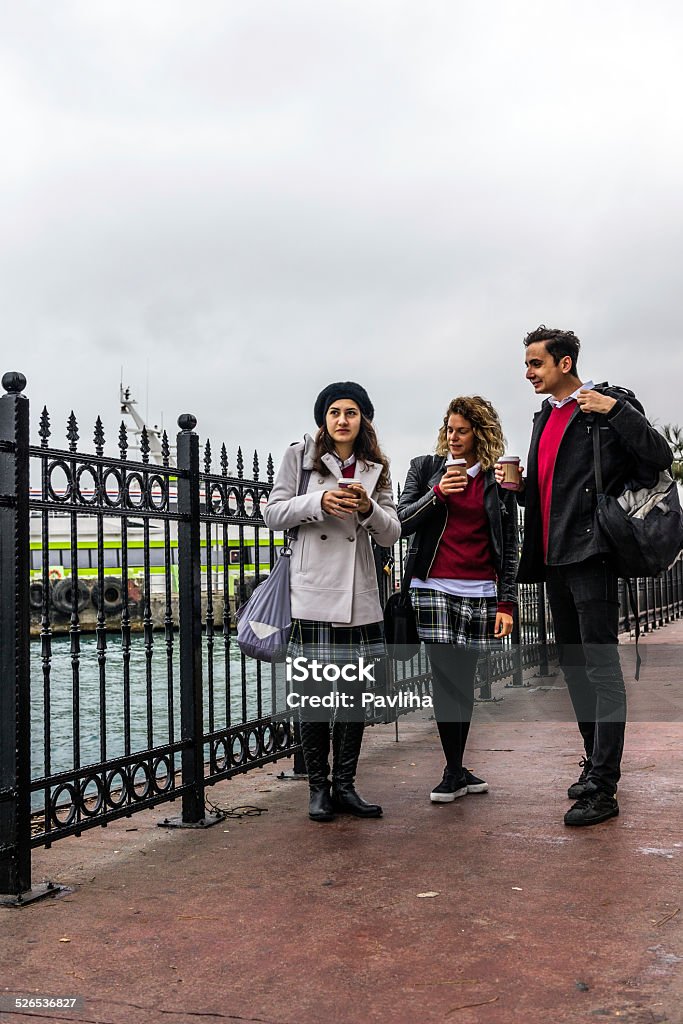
x,y
643,526
400,627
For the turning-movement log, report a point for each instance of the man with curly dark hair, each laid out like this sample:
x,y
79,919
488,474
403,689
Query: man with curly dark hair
x,y
563,547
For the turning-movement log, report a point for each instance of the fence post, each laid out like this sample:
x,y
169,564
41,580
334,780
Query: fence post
x,y
517,659
190,621
624,603
543,665
15,686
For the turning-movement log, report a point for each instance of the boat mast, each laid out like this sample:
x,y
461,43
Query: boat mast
x,y
153,434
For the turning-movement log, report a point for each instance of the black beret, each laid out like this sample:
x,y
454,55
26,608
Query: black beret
x,y
342,389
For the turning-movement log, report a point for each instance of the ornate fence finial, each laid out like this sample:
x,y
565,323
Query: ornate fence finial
x,y
72,432
256,466
13,382
44,432
270,468
240,464
144,445
224,460
207,457
165,448
123,441
186,421
99,436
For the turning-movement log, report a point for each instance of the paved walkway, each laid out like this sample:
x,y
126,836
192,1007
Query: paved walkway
x,y
485,910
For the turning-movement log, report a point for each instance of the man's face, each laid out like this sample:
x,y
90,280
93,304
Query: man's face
x,y
546,376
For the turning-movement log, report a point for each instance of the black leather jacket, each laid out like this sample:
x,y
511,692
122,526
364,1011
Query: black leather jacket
x,y
630,449
423,515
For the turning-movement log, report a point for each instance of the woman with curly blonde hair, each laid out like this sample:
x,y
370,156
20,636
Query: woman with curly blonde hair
x,y
462,563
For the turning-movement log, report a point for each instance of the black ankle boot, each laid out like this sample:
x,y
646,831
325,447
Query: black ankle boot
x,y
320,807
315,740
347,738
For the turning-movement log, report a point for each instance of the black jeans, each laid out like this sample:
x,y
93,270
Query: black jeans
x,y
585,605
454,669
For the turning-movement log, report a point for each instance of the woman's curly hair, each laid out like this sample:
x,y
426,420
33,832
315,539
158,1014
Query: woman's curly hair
x,y
489,442
366,449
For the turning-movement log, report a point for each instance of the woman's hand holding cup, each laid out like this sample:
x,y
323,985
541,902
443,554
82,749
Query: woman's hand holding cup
x,y
358,491
350,497
454,480
338,503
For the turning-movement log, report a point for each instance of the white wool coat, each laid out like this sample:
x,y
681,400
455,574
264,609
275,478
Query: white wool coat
x,y
332,569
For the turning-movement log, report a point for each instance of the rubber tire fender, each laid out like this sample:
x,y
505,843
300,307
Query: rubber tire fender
x,y
112,595
35,595
62,595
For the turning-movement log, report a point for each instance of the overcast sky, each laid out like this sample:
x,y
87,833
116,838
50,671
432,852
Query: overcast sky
x,y
239,202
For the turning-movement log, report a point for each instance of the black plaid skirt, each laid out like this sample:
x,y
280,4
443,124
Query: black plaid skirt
x,y
313,639
444,619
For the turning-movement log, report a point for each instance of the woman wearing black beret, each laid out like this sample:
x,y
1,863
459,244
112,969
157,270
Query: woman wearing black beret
x,y
336,612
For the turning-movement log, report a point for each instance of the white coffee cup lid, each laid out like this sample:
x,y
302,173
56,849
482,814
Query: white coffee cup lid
x,y
509,458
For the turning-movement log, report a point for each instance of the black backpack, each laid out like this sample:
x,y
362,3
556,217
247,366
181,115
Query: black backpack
x,y
643,526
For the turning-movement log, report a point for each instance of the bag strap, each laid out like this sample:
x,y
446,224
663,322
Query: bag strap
x,y
595,429
293,532
410,560
407,575
636,616
629,582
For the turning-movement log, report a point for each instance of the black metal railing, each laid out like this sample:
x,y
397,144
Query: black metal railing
x,y
128,588
121,685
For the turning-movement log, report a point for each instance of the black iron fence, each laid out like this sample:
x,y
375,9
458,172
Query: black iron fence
x,y
126,573
133,691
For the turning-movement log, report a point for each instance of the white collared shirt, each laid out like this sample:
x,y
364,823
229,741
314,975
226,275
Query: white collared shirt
x,y
347,462
557,404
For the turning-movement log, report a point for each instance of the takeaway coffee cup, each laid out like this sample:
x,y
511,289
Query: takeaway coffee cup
x,y
347,481
456,467
510,467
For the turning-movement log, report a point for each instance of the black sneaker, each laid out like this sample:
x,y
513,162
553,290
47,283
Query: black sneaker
x,y
595,806
578,788
449,789
475,785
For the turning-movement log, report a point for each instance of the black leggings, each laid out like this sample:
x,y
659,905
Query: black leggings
x,y
454,670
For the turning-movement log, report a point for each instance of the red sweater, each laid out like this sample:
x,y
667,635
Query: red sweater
x,y
547,454
464,551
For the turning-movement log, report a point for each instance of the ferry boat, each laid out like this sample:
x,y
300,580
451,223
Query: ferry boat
x,y
242,557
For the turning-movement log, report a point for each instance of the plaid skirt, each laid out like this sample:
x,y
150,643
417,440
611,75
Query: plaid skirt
x,y
313,639
445,619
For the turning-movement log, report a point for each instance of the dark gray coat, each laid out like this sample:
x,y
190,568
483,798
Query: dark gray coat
x,y
630,448
424,515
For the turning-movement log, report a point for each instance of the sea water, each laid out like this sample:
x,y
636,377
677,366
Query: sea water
x,y
80,738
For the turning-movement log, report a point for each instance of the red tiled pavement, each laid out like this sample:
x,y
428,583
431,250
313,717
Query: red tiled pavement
x,y
276,919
